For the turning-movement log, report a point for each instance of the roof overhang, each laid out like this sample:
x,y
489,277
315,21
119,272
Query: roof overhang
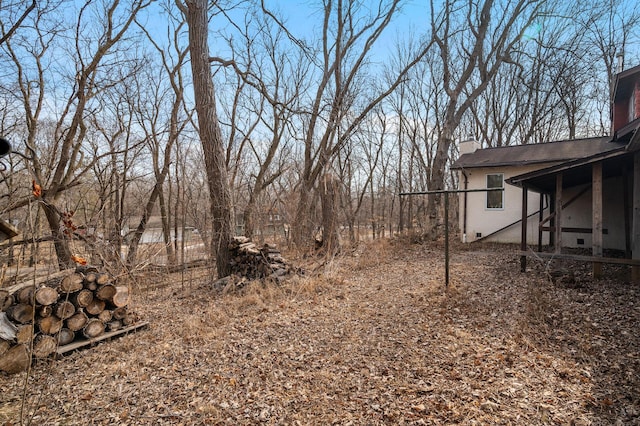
x,y
574,173
634,139
7,230
623,83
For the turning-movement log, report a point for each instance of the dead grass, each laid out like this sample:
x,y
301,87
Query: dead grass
x,y
376,339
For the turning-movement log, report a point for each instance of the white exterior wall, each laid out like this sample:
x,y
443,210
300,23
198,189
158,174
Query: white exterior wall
x,y
482,221
578,215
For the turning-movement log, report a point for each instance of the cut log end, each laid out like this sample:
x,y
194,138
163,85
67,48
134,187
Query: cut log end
x,y
77,321
50,325
6,300
83,298
44,345
94,328
121,297
95,307
15,360
72,283
106,292
25,295
65,336
47,296
65,310
21,313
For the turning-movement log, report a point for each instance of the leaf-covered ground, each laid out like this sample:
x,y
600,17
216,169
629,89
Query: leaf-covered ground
x,y
376,340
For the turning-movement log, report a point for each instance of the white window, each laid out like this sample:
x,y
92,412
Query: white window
x,y
495,199
632,107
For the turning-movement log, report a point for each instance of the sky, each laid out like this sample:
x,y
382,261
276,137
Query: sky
x,y
412,17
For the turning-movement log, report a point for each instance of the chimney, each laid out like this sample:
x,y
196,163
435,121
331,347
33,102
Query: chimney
x,y
620,57
469,146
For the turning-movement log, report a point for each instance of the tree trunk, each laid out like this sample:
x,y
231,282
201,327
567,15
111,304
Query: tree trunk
x,y
151,202
210,134
437,181
166,230
330,223
248,217
303,226
60,240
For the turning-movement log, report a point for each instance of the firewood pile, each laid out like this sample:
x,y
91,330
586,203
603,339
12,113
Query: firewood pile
x,y
38,318
253,262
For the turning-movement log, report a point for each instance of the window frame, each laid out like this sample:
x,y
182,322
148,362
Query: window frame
x,y
488,193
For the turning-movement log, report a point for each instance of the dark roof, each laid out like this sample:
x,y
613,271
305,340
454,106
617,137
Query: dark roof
x,y
624,81
576,172
550,152
625,132
634,140
7,230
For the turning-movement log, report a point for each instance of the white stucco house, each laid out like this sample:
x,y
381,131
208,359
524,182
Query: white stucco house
x,y
497,216
589,188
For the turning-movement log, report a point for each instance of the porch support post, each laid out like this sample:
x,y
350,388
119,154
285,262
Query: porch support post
x,y
523,233
596,209
552,219
635,238
558,216
626,184
540,217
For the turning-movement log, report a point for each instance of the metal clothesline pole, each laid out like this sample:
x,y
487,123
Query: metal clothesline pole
x,y
446,193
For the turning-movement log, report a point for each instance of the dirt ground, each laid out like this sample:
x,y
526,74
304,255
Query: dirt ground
x,y
376,340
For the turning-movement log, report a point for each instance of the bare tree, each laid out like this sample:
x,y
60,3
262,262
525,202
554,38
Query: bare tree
x,y
196,12
340,104
99,66
113,140
271,76
8,10
473,41
611,31
162,127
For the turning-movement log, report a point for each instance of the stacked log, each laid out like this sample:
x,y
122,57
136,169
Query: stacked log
x,y
37,319
253,262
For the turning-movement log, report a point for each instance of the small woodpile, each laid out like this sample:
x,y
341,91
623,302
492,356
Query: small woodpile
x,y
38,318
249,262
